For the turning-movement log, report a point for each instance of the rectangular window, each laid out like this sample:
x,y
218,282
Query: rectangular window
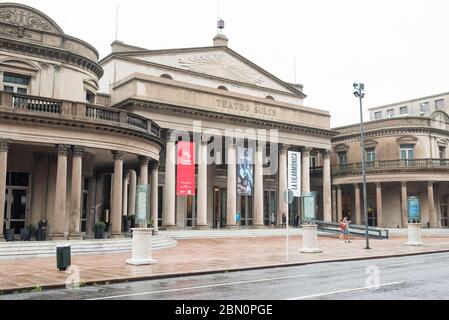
x,y
407,151
313,161
390,112
442,151
424,107
15,83
439,104
342,159
378,115
403,110
370,154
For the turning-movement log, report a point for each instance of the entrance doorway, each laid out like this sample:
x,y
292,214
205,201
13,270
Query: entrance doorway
x,y
220,204
444,211
269,206
191,211
16,201
246,210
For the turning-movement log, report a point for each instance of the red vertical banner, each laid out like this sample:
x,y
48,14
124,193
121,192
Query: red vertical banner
x,y
185,160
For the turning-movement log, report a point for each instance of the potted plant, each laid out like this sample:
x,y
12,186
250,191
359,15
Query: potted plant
x,y
99,228
9,235
24,234
41,234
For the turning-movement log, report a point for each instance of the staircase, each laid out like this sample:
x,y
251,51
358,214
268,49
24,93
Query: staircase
x,y
38,249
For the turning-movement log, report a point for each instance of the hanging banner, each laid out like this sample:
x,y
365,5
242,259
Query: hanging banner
x,y
245,172
185,180
294,173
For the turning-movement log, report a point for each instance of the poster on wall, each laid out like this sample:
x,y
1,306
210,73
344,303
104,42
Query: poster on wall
x,y
185,160
294,173
245,174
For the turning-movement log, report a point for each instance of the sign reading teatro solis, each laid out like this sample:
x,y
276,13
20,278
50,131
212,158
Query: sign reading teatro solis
x,y
294,173
185,182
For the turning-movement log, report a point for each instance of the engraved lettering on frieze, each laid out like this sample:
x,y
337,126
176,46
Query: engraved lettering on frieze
x,y
258,110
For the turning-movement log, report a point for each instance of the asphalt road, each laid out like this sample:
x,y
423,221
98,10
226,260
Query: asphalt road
x,y
413,277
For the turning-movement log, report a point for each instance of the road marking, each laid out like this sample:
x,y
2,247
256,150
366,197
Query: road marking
x,y
199,287
343,291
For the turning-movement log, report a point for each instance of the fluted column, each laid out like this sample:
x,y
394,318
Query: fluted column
x,y
433,216
75,215
143,175
339,204
60,194
306,169
258,187
168,216
116,208
202,185
358,207
232,187
154,184
283,184
334,205
404,213
132,193
4,147
379,204
327,196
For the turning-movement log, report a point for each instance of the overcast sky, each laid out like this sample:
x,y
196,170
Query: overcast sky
x,y
398,48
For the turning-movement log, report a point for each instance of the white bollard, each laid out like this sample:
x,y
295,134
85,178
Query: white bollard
x,y
414,235
310,239
141,247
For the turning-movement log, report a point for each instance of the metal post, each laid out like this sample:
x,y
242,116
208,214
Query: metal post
x,y
360,88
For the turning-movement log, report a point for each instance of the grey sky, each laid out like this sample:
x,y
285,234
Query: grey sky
x,y
398,48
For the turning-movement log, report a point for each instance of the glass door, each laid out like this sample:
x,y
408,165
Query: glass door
x,y
246,211
220,203
16,208
269,204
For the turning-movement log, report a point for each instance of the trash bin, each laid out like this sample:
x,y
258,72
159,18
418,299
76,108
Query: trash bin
x,y
63,257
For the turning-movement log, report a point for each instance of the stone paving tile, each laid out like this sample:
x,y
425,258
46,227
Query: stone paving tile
x,y
202,255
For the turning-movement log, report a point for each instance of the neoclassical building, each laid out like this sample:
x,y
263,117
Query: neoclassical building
x,y
78,135
406,156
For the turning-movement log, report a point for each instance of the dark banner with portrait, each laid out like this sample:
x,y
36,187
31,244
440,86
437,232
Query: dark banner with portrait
x,y
245,174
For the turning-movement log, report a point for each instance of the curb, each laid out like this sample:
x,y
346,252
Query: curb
x,y
206,272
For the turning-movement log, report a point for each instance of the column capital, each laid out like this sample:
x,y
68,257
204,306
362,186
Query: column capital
x,y
306,151
403,183
63,150
357,185
204,139
118,155
232,140
169,136
154,165
326,153
4,145
284,147
430,183
78,151
378,184
144,161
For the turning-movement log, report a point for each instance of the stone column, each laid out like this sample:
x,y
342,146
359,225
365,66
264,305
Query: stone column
x,y
125,194
339,204
143,175
258,187
306,169
132,193
358,207
404,213
4,146
283,183
334,205
379,204
433,216
60,194
232,187
154,194
75,215
168,216
116,207
202,185
327,197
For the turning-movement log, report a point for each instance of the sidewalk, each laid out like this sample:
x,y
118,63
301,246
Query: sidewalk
x,y
202,256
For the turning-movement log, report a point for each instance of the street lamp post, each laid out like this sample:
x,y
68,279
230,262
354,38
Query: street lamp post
x,y
359,92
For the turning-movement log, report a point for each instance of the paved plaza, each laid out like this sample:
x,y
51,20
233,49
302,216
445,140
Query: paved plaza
x,y
196,256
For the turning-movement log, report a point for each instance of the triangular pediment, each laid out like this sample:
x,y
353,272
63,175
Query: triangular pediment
x,y
220,62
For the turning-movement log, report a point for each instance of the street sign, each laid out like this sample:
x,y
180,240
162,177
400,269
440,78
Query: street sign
x,y
309,207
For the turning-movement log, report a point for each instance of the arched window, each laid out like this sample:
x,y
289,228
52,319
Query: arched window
x,y
269,98
166,76
222,88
